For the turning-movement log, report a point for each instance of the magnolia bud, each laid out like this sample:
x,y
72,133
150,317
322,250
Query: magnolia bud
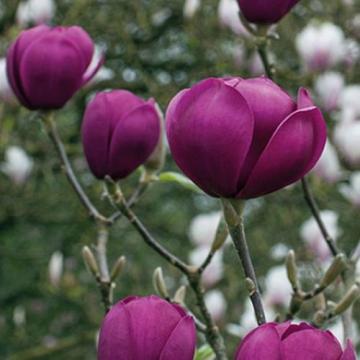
x,y
335,269
118,268
250,286
180,295
159,283
90,261
291,269
350,297
320,302
222,233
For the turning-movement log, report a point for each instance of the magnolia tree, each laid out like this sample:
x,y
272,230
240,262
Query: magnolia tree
x,y
234,139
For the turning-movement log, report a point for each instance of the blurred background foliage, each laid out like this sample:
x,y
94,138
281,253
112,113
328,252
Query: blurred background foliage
x,y
153,52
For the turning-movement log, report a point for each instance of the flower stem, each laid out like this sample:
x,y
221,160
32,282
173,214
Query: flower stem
x,y
104,281
235,223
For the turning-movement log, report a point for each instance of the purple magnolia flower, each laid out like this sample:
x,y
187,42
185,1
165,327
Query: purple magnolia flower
x,y
147,328
273,341
240,138
46,66
120,131
265,11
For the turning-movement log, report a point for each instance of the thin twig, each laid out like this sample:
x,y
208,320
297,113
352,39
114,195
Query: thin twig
x,y
316,214
104,281
149,239
212,332
206,262
136,195
54,136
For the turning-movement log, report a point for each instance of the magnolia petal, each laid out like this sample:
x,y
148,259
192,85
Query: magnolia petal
x,y
210,129
115,339
267,12
270,105
349,352
153,320
181,342
133,141
292,151
260,344
13,60
50,71
96,134
311,344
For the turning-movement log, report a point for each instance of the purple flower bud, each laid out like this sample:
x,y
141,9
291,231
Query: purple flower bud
x,y
240,138
120,131
273,341
147,328
46,66
265,11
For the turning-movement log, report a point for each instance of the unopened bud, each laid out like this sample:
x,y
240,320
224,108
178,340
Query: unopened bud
x,y
222,233
118,268
320,302
350,297
90,261
291,269
335,269
250,286
180,295
159,283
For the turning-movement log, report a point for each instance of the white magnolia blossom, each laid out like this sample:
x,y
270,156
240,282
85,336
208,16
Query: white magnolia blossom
x,y
17,165
191,7
351,191
346,139
310,233
352,52
215,271
321,46
328,167
216,303
277,287
203,228
279,251
228,13
349,103
329,87
6,92
56,265
19,316
35,12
